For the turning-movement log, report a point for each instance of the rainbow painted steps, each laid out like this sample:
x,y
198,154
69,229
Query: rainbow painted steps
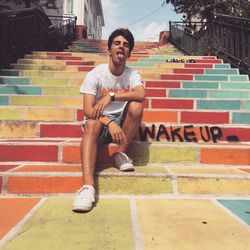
x,y
196,100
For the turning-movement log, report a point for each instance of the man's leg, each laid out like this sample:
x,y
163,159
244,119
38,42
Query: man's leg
x,y
89,150
131,123
85,196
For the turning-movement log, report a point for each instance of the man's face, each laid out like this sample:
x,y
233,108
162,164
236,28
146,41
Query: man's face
x,y
119,50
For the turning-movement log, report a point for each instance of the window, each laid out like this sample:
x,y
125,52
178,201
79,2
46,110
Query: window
x,y
70,6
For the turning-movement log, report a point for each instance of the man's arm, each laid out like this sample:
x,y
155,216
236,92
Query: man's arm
x,y
137,94
116,132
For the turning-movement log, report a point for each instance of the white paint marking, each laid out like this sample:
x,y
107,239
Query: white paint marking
x,y
135,225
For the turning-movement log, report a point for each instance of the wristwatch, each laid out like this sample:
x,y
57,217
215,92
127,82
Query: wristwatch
x,y
112,95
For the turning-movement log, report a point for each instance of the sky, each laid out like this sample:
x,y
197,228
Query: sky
x,y
145,18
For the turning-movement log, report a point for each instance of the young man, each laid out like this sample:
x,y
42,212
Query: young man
x,y
113,96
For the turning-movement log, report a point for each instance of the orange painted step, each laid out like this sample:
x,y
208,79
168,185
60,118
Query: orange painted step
x,y
12,210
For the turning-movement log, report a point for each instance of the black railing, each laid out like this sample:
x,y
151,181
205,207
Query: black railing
x,y
226,37
31,29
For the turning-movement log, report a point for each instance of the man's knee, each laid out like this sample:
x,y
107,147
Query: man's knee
x,y
92,128
135,108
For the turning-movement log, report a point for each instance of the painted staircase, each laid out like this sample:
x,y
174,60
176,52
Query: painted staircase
x,y
194,138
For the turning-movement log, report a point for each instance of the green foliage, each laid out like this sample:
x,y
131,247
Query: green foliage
x,y
206,9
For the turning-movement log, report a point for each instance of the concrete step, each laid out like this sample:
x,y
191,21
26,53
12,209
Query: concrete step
x,y
47,178
162,127
170,107
58,150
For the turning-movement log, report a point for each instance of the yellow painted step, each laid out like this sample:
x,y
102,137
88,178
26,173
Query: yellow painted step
x,y
46,101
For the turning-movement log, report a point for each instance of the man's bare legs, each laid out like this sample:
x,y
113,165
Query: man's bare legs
x,y
89,150
92,131
131,123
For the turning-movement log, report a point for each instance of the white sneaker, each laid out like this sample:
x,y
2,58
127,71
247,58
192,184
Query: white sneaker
x,y
123,162
85,197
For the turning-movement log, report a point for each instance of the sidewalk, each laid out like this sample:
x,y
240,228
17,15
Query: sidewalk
x,y
165,221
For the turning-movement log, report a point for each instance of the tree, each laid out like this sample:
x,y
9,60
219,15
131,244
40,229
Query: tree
x,y
206,9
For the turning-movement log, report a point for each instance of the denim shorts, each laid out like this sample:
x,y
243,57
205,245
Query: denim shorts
x,y
105,136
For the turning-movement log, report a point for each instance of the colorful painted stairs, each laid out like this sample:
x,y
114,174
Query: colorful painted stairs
x,y
195,129
192,155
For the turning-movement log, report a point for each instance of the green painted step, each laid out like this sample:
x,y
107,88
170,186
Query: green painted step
x,y
228,94
222,66
218,105
246,105
14,80
4,100
187,93
221,71
20,90
219,78
9,72
239,207
241,118
235,85
201,85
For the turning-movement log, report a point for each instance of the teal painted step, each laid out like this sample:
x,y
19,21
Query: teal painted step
x,y
246,105
4,100
20,90
15,81
153,60
241,118
135,64
187,93
221,71
9,72
201,85
221,78
228,94
222,66
235,85
239,207
218,105
216,85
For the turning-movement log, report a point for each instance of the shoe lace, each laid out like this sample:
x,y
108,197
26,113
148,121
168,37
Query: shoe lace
x,y
83,192
124,156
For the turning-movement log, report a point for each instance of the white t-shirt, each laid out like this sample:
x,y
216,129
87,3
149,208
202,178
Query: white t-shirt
x,y
100,81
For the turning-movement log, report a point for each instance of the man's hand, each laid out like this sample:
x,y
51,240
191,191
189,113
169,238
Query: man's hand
x,y
116,133
100,105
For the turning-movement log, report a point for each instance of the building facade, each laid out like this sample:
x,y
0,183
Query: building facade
x,y
89,13
90,19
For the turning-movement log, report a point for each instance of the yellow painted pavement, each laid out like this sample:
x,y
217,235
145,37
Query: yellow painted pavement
x,y
55,227
214,185
189,225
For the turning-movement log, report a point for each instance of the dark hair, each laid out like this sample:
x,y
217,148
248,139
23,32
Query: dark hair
x,y
122,32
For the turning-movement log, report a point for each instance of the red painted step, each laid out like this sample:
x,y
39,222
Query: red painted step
x,y
47,153
177,77
198,65
156,93
188,71
57,130
68,58
162,84
85,68
172,104
59,54
208,61
80,63
205,117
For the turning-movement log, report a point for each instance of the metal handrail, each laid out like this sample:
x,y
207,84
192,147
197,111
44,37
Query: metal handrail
x,y
31,29
225,36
